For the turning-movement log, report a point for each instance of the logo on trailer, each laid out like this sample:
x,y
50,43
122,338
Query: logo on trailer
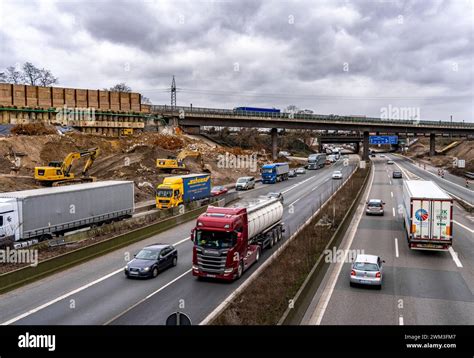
x,y
421,215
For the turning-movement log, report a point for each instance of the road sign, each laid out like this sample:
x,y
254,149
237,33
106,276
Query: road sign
x,y
178,319
383,139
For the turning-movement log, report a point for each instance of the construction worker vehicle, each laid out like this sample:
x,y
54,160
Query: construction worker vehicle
x,y
58,173
176,164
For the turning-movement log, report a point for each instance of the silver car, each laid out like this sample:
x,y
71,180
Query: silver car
x,y
375,207
367,270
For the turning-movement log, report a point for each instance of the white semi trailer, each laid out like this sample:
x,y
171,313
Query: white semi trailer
x,y
428,215
40,214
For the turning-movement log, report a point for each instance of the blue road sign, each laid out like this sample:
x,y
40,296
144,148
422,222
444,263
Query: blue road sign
x,y
383,139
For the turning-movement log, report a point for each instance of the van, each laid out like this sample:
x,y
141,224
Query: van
x,y
245,183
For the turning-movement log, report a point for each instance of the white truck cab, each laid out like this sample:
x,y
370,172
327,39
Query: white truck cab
x,y
9,227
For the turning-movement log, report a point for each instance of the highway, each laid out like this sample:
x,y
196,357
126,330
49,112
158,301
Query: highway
x,y
420,287
97,291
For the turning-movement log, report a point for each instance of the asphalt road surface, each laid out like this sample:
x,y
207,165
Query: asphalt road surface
x,y
97,292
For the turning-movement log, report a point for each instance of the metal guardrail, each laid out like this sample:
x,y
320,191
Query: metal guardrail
x,y
346,119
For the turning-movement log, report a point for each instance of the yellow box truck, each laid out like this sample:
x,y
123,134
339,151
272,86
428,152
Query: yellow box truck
x,y
182,189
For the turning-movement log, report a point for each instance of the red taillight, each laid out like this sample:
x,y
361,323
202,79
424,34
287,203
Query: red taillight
x,y
377,275
353,273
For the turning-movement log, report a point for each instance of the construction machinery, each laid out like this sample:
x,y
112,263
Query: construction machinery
x,y
58,173
174,164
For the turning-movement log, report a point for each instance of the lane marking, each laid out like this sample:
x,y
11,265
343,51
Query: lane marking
x,y
463,226
396,247
147,297
390,181
400,321
393,211
455,257
391,194
327,293
73,292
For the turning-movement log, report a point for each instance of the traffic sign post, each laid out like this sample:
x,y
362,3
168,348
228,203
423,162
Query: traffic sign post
x,y
178,319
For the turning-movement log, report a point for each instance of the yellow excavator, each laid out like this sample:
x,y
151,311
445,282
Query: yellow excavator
x,y
176,164
59,173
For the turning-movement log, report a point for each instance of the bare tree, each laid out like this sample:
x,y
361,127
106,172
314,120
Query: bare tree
x,y
3,77
292,109
31,74
119,87
13,76
46,78
146,100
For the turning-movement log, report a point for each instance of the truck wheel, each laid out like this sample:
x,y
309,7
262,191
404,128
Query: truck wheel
x,y
257,256
272,241
240,270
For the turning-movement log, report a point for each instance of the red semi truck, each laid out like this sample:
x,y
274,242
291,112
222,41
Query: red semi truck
x,y
227,241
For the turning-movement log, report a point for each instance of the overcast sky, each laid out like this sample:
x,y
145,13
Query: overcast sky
x,y
340,57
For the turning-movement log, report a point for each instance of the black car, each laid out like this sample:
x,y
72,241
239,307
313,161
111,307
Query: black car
x,y
152,259
397,174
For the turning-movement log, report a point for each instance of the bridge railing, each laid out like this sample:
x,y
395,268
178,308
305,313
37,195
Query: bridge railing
x,y
281,115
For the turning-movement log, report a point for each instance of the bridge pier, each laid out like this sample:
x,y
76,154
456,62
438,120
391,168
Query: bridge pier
x,y
357,147
432,144
274,134
365,146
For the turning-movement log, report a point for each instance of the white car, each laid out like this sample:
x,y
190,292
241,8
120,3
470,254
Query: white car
x,y
337,174
367,270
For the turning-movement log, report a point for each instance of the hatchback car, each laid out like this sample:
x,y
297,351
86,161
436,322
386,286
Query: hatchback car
x,y
367,270
397,174
278,196
337,174
219,190
245,183
292,173
152,259
301,171
375,207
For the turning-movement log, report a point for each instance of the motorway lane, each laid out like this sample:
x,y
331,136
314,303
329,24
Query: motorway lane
x,y
103,300
448,183
421,287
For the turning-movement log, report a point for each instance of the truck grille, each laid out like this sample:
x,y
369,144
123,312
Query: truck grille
x,y
212,262
163,201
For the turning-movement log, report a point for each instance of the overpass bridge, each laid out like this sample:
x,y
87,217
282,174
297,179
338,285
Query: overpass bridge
x,y
192,118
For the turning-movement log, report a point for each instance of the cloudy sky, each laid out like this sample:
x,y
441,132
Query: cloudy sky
x,y
343,57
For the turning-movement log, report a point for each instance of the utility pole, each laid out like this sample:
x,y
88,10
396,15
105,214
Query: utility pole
x,y
173,93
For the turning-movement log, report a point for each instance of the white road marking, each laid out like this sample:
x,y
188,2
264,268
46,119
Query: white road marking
x,y
463,226
73,292
390,181
396,247
391,194
149,296
400,320
393,211
327,293
455,257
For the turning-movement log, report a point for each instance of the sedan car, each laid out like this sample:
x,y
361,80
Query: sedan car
x,y
301,171
375,207
152,259
278,196
337,174
219,190
367,270
389,161
397,174
292,173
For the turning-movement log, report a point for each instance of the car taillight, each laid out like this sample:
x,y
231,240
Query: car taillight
x,y
377,275
353,273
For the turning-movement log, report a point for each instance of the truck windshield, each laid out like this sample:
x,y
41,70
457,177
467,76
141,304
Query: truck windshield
x,y
215,239
164,193
267,171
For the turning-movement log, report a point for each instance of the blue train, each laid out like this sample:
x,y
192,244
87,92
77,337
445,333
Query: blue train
x,y
255,109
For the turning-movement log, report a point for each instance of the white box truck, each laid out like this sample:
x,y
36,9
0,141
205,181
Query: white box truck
x,y
38,214
428,215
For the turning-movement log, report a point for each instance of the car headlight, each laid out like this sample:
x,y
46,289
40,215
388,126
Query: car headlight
x,y
146,269
126,267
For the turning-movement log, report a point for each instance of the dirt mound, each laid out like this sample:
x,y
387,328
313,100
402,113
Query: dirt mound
x,y
32,129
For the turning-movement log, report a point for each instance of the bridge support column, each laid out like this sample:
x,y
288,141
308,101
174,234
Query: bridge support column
x,y
432,144
357,147
274,134
365,147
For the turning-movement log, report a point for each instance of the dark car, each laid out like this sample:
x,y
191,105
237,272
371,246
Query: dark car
x,y
152,259
397,174
218,190
278,196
